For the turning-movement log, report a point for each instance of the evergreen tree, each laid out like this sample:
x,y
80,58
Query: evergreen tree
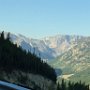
x,y
8,36
63,85
2,35
58,86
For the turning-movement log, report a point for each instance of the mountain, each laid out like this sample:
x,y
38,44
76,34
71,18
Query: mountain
x,y
47,48
75,62
61,43
33,45
68,54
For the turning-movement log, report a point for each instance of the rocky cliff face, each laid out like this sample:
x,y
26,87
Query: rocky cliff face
x,y
75,61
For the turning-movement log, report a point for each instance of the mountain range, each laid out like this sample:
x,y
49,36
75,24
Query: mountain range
x,y
69,53
48,47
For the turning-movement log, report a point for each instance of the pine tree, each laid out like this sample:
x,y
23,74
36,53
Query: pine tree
x,y
58,86
63,85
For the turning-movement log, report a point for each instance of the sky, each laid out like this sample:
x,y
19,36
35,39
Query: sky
x,y
40,18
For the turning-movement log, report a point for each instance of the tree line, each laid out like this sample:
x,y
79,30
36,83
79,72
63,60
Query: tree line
x,y
15,58
72,86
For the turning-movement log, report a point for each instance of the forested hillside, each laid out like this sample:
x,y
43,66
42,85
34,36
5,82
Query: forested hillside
x,y
13,58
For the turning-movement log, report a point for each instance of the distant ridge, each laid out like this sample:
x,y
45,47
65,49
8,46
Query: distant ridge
x,y
48,47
